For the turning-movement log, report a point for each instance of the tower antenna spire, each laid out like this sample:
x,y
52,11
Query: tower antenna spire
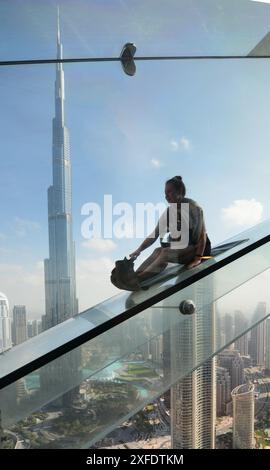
x,y
58,24
59,45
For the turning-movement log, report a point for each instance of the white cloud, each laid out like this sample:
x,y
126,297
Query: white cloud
x,y
155,163
23,226
174,145
243,212
99,244
261,1
183,145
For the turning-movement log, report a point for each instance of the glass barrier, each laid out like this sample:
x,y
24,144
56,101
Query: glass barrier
x,y
234,412
100,29
121,151
225,280
84,394
110,130
62,230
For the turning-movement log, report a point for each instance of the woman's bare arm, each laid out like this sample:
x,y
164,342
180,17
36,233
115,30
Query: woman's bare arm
x,y
201,243
147,242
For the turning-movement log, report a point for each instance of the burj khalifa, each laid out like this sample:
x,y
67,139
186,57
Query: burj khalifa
x,y
60,280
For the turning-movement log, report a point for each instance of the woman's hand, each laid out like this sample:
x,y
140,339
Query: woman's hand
x,y
135,254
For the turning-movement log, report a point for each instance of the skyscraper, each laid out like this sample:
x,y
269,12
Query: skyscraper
x,y
231,360
33,328
223,390
243,416
257,336
241,324
5,324
19,324
237,371
193,399
228,328
60,283
267,344
7,394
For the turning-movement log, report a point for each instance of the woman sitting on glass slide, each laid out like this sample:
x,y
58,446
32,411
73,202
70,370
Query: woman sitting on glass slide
x,y
197,242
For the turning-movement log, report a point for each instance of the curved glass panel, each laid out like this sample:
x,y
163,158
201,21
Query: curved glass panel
x,y
123,151
101,28
137,360
224,279
84,137
113,141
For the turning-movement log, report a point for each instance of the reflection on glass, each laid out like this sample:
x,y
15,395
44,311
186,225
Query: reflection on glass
x,y
135,362
118,135
220,27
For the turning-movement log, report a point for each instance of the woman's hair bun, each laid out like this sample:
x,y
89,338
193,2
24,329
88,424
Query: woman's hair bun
x,y
178,184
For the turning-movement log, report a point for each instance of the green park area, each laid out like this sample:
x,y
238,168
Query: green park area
x,y
262,438
139,371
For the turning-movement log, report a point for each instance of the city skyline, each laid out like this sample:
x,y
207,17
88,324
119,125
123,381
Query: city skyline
x,y
106,135
208,121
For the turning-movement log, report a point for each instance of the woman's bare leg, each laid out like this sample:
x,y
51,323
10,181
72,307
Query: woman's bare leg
x,y
149,260
163,257
155,267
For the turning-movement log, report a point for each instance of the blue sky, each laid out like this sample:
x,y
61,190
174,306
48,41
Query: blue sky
x,y
207,121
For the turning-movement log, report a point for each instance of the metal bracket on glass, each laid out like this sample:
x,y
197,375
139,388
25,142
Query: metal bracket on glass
x,y
187,307
127,60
